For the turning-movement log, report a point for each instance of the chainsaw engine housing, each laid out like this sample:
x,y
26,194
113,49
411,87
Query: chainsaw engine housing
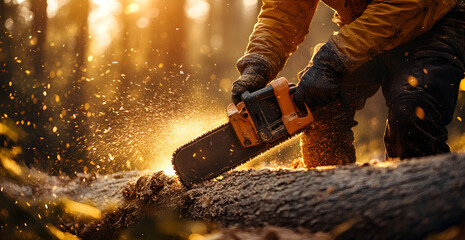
x,y
266,115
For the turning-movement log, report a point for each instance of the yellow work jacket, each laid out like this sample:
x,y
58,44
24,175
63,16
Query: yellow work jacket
x,y
367,29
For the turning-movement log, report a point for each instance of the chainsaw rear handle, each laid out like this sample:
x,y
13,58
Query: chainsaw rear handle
x,y
267,114
284,94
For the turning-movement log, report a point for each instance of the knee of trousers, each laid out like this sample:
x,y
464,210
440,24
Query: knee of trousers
x,y
414,127
413,112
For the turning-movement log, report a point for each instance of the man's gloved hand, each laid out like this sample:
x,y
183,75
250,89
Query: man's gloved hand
x,y
254,76
320,84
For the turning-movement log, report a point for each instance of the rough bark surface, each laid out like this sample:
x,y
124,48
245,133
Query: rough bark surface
x,y
405,199
266,233
409,199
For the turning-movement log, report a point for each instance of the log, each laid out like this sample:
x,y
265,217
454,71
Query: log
x,y
409,199
400,199
397,199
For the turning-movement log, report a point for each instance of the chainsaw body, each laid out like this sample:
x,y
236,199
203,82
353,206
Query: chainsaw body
x,y
267,115
261,121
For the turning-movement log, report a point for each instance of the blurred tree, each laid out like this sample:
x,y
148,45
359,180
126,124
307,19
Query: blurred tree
x,y
23,85
126,67
168,43
6,60
38,37
36,87
76,156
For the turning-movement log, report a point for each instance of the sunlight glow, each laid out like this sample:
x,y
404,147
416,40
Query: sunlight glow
x,y
77,208
181,131
59,234
132,8
386,164
53,6
324,168
250,8
142,22
24,10
11,166
197,9
250,4
105,25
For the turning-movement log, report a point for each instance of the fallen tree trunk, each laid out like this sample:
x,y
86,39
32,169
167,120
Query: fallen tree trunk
x,y
403,199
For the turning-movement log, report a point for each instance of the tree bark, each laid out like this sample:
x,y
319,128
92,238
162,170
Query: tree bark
x,y
389,200
406,200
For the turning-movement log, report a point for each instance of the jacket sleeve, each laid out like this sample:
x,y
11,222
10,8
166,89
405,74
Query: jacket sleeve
x,y
282,25
384,25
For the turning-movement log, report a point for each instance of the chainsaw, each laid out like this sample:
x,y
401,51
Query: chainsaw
x,y
264,119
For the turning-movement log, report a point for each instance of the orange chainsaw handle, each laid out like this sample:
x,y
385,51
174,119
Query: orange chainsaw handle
x,y
289,111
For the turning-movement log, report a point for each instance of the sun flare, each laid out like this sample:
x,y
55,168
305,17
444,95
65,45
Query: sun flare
x,y
179,132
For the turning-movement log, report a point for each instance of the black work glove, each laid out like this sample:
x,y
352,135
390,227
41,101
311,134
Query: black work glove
x,y
320,84
254,76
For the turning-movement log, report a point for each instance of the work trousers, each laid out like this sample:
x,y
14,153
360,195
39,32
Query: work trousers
x,y
419,81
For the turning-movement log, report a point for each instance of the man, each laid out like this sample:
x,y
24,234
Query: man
x,y
413,49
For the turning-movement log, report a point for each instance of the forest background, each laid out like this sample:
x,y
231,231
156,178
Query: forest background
x,y
112,85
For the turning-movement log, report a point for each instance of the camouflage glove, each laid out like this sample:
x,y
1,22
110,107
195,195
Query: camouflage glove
x,y
254,76
320,83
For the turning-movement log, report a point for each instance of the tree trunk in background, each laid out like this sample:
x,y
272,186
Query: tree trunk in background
x,y
6,70
38,38
168,45
6,60
40,131
126,65
76,157
174,28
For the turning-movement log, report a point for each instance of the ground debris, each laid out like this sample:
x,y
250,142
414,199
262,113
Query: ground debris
x,y
154,198
147,187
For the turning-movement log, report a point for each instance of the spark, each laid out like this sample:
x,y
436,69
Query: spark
x,y
386,164
11,166
412,81
59,234
420,113
77,208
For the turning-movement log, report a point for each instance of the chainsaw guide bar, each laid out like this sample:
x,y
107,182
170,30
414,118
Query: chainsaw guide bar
x,y
212,154
264,119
